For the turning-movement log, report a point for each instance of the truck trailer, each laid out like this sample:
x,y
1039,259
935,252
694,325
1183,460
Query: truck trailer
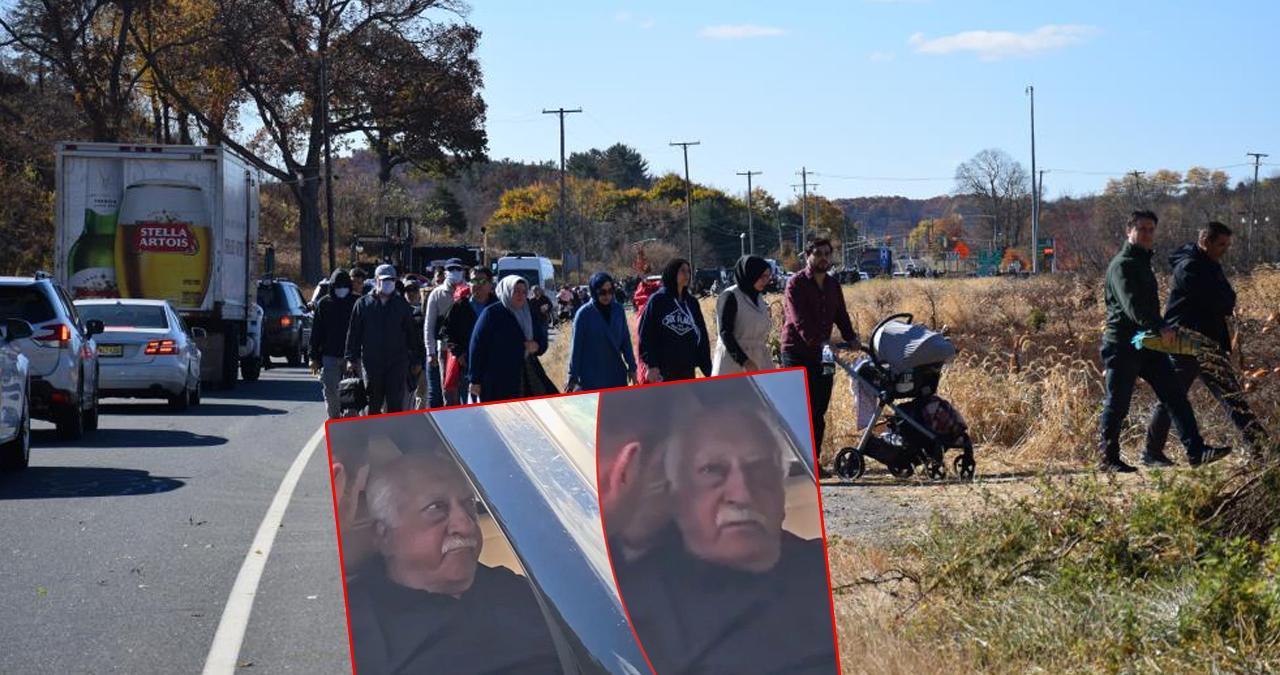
x,y
167,222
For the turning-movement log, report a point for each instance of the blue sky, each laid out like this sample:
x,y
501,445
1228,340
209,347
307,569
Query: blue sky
x,y
886,88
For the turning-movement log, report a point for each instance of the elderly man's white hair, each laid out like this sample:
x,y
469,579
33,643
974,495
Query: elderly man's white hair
x,y
386,482
693,422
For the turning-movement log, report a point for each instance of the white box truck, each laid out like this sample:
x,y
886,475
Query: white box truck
x,y
178,223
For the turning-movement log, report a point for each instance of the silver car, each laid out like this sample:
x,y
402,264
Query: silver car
x,y
146,350
15,401
62,353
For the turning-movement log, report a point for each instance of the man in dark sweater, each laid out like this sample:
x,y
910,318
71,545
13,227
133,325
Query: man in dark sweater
x,y
727,589
384,339
1201,299
426,604
329,337
813,303
1133,305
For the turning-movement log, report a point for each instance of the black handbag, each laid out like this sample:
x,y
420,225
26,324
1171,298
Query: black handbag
x,y
352,396
535,380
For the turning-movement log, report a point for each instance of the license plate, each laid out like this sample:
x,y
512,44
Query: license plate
x,y
110,350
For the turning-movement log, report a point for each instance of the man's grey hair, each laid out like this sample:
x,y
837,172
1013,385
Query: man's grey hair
x,y
687,426
384,489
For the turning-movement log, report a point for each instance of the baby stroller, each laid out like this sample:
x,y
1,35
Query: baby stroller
x,y
901,372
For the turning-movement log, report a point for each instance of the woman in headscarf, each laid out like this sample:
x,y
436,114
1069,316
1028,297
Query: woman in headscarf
x,y
600,355
673,336
505,346
743,319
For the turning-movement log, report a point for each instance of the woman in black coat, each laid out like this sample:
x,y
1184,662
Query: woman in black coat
x,y
673,336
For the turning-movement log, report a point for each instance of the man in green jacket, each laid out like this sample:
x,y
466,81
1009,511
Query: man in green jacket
x,y
1133,305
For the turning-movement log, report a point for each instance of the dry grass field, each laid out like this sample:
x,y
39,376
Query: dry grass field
x,y
1039,565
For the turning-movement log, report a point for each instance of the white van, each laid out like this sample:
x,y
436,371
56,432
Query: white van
x,y
535,269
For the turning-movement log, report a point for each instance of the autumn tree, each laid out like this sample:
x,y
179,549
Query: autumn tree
x,y
1000,184
86,43
279,52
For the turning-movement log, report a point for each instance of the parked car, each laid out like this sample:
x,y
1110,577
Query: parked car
x,y
15,399
146,350
286,322
62,353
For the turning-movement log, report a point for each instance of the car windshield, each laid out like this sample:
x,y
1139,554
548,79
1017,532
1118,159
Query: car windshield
x,y
271,296
530,276
25,302
120,315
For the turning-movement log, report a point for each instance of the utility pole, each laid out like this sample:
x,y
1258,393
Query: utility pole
x,y
751,230
1137,184
1253,197
328,150
564,251
1035,191
804,205
688,195
1040,200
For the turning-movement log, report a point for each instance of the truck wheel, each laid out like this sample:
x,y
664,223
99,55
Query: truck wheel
x,y
230,356
250,368
16,454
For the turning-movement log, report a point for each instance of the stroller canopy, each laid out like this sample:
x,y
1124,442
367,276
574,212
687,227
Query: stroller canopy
x,y
904,346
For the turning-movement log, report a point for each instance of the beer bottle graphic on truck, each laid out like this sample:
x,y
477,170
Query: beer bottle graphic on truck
x,y
91,263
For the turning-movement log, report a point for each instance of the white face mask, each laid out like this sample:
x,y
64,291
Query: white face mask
x,y
387,286
341,292
454,276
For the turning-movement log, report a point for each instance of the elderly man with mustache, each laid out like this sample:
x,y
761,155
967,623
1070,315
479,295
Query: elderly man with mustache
x,y
426,604
727,590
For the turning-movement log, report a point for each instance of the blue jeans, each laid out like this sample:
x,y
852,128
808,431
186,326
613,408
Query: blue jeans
x,y
435,388
1124,365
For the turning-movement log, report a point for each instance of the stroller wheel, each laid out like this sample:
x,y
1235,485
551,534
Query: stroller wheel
x,y
964,466
850,463
936,471
902,471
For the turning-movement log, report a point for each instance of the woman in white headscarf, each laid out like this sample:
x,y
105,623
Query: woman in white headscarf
x,y
505,346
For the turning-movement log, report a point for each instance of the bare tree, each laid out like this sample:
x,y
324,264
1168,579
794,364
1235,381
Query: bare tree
x,y
1002,186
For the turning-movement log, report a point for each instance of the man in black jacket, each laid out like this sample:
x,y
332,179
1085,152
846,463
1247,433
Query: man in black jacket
x,y
329,337
383,338
1201,299
1133,306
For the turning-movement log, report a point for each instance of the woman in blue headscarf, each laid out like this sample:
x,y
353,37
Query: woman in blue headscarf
x,y
601,356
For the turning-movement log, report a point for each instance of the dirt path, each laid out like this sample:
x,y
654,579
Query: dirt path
x,y
879,509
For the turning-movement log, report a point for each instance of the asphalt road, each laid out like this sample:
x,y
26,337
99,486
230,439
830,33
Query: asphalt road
x,y
118,552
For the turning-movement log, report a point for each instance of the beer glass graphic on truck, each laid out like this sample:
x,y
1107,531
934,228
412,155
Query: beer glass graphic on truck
x,y
163,243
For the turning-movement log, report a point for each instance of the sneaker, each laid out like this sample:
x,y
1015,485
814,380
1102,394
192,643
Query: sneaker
x,y
1115,465
1208,455
1156,460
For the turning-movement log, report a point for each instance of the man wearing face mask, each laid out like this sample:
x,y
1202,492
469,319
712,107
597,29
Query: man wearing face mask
x,y
426,604
329,337
438,304
383,339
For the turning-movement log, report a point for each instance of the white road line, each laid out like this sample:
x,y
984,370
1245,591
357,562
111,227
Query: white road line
x,y
225,650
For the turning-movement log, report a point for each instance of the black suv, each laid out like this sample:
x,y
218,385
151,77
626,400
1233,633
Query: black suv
x,y
286,322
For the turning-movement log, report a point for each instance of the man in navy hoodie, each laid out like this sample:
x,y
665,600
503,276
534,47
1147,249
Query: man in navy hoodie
x,y
1201,299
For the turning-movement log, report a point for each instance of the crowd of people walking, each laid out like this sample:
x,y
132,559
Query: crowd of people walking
x,y
471,338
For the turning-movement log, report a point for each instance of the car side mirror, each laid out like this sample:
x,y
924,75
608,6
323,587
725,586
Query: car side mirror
x,y
16,329
199,333
94,327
